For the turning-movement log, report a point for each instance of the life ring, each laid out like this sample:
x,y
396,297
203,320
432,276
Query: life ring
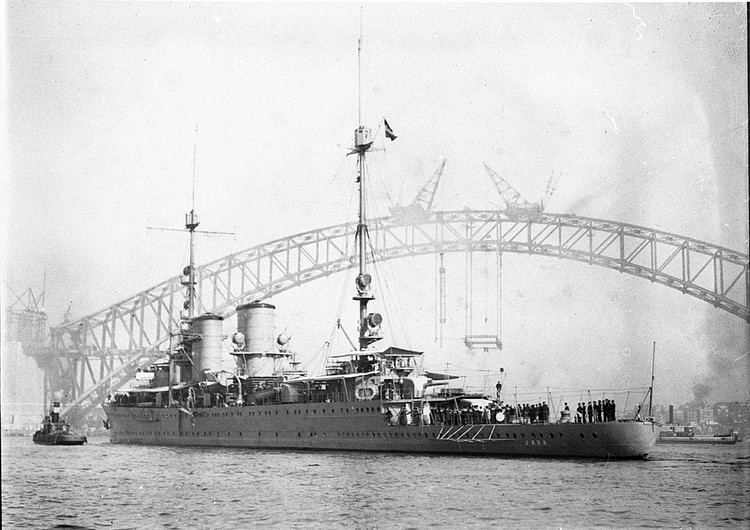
x,y
500,416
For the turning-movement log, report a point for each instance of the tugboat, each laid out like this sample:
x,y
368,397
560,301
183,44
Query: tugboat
x,y
54,431
673,435
369,399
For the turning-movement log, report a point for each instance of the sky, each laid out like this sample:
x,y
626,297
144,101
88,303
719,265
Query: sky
x,y
109,109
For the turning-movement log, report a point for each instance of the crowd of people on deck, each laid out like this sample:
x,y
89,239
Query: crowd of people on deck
x,y
595,411
591,412
502,413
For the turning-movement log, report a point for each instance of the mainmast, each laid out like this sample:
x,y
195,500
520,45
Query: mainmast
x,y
368,323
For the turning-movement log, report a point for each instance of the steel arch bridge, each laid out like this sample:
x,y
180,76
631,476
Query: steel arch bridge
x,y
130,333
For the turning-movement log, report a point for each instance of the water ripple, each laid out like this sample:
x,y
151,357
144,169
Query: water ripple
x,y
111,486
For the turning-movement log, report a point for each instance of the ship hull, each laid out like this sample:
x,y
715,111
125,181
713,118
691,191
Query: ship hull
x,y
699,440
360,426
59,439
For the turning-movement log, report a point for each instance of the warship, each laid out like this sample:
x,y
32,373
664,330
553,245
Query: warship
x,y
368,399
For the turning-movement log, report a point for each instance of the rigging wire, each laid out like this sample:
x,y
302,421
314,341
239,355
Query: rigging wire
x,y
391,295
344,288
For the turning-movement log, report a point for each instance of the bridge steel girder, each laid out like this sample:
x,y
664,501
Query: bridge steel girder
x,y
137,327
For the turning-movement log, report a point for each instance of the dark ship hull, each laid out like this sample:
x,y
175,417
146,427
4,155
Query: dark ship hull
x,y
700,440
360,426
58,438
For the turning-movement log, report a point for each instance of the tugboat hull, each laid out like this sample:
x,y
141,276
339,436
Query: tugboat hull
x,y
59,439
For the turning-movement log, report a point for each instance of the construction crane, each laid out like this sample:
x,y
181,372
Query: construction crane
x,y
26,320
422,203
516,207
552,183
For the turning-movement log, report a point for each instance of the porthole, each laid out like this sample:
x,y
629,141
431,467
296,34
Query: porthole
x,y
581,435
594,435
551,435
514,435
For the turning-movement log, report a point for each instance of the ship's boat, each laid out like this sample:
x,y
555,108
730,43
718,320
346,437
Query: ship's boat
x,y
369,399
56,431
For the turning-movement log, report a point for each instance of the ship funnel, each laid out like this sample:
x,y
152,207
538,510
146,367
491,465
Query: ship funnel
x,y
256,321
206,331
55,416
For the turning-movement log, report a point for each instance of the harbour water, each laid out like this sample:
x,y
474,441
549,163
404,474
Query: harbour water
x,y
103,485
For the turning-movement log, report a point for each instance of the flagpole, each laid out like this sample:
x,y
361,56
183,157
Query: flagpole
x,y
359,67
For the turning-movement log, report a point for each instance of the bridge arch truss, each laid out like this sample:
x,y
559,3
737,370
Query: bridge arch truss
x,y
89,356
